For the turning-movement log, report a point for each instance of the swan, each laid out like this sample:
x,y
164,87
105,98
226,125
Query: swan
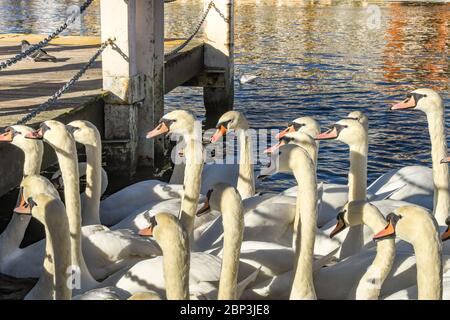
x,y
179,123
414,225
357,276
385,271
12,236
234,120
332,196
430,102
53,282
181,273
106,251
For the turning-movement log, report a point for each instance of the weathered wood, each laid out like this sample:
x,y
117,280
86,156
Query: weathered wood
x,y
28,84
219,51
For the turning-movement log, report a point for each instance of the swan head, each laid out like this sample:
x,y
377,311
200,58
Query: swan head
x,y
349,130
30,186
425,100
84,132
178,122
352,215
55,134
361,117
16,135
221,197
46,209
305,124
287,159
231,120
297,137
166,229
410,223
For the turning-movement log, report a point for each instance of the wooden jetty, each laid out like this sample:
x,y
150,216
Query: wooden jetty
x,y
123,92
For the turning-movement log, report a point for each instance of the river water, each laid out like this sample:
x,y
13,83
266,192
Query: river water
x,y
317,58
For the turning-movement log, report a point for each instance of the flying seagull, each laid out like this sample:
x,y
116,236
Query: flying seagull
x,y
38,55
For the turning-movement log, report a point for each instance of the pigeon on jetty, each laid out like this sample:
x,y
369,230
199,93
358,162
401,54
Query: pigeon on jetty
x,y
38,55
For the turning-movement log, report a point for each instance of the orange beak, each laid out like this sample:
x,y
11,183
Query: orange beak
x,y
219,133
146,232
328,135
8,136
340,226
285,132
445,160
160,129
203,209
23,207
37,135
405,104
275,147
446,235
387,232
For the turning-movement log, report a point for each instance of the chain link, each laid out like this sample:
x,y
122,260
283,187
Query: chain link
x,y
43,43
196,30
64,88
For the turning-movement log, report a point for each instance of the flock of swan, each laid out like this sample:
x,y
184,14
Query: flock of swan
x,y
207,234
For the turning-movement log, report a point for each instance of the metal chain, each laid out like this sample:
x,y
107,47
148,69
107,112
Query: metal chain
x,y
43,43
64,88
196,30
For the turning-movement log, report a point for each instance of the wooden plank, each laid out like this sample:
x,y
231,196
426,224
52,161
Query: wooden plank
x,y
28,84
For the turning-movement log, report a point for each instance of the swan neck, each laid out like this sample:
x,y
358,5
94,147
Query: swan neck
x,y
68,164
93,192
357,176
429,268
192,184
176,261
246,179
233,227
436,127
306,221
369,286
32,161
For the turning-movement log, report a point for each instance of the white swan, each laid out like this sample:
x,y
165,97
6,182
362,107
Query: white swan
x,y
180,123
106,251
53,282
234,120
357,277
414,225
429,102
12,236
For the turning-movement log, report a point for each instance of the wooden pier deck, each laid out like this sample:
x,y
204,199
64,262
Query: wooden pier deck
x,y
28,84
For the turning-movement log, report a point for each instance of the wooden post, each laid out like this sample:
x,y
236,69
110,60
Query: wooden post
x,y
150,62
219,50
131,68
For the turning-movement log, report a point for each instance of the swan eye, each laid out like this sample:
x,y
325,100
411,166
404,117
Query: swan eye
x,y
287,139
167,122
296,125
153,221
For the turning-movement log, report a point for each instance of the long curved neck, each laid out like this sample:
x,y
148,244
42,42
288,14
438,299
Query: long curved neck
x,y
91,207
306,210
192,184
176,261
32,161
357,176
357,191
369,286
233,227
436,127
53,282
429,268
68,163
246,179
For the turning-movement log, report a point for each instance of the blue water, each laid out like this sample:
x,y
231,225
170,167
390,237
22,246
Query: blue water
x,y
321,60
